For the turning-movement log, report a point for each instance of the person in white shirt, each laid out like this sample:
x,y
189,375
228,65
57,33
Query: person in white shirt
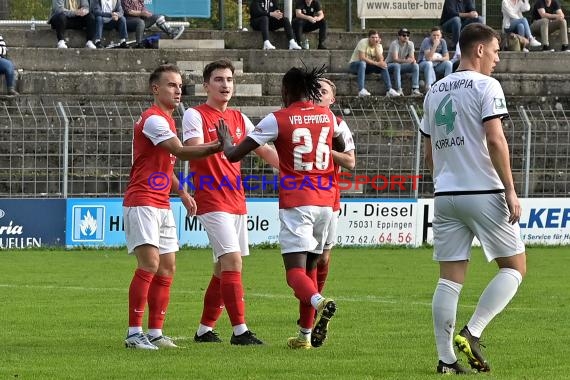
x,y
474,195
515,22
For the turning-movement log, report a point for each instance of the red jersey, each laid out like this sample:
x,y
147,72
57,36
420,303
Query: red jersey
x,y
150,178
216,181
302,134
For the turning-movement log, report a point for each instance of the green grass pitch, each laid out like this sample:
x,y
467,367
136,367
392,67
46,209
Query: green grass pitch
x,y
63,315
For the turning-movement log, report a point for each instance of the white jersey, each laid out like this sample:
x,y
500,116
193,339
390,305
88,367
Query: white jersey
x,y
455,109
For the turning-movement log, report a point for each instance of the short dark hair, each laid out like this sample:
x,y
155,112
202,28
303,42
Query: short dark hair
x,y
223,63
157,73
436,29
474,34
372,32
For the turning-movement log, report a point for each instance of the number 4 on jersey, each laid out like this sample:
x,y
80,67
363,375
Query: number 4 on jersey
x,y
445,116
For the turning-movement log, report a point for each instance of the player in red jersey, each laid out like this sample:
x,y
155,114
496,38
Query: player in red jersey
x,y
302,134
221,203
343,156
149,224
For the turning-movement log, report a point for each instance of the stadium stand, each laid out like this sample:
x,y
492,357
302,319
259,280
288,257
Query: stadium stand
x,y
103,91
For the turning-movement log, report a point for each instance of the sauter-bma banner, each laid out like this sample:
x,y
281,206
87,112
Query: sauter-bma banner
x,y
400,9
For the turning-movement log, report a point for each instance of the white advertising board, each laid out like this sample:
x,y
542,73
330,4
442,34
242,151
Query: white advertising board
x,y
543,221
377,221
400,9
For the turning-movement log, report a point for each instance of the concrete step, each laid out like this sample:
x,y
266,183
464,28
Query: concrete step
x,y
117,83
198,66
253,89
233,39
253,61
191,44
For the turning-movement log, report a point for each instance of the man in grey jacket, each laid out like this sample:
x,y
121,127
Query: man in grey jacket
x,y
72,14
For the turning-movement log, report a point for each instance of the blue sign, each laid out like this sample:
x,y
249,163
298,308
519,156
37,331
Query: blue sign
x,y
32,223
178,8
99,222
88,224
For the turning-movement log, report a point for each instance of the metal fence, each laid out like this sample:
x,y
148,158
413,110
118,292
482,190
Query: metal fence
x,y
83,148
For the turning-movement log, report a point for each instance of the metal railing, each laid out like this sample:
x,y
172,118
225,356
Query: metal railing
x,y
83,148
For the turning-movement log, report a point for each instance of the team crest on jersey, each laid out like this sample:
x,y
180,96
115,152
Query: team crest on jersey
x,y
238,132
500,103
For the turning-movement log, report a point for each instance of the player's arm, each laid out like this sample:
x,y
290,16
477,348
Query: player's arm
x,y
186,199
499,153
428,158
343,146
175,147
238,152
345,159
268,154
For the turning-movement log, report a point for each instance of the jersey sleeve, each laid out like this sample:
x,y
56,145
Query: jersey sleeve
x,y
265,131
248,124
192,125
493,101
346,136
157,129
425,129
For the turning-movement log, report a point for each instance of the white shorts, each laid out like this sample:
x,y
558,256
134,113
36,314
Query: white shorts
x,y
304,228
458,218
331,237
150,225
226,232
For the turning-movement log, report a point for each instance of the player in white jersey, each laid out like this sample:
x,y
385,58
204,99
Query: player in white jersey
x,y
468,155
342,157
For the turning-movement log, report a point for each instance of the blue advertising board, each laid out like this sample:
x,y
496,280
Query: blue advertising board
x,y
99,222
32,223
179,8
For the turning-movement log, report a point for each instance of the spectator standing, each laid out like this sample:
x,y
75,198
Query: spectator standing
x,y
265,16
302,133
222,209
515,22
72,14
109,15
150,229
401,52
309,16
474,195
434,57
547,18
367,58
140,18
455,15
7,69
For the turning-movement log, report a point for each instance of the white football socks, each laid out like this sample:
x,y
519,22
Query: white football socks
x,y
444,310
494,299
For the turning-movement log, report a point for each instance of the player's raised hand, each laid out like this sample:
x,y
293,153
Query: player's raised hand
x,y
224,135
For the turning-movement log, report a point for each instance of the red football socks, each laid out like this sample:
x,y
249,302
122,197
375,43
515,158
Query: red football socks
x,y
213,303
322,273
232,294
303,286
138,292
158,298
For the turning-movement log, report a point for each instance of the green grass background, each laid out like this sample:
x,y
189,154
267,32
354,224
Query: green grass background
x,y
63,315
